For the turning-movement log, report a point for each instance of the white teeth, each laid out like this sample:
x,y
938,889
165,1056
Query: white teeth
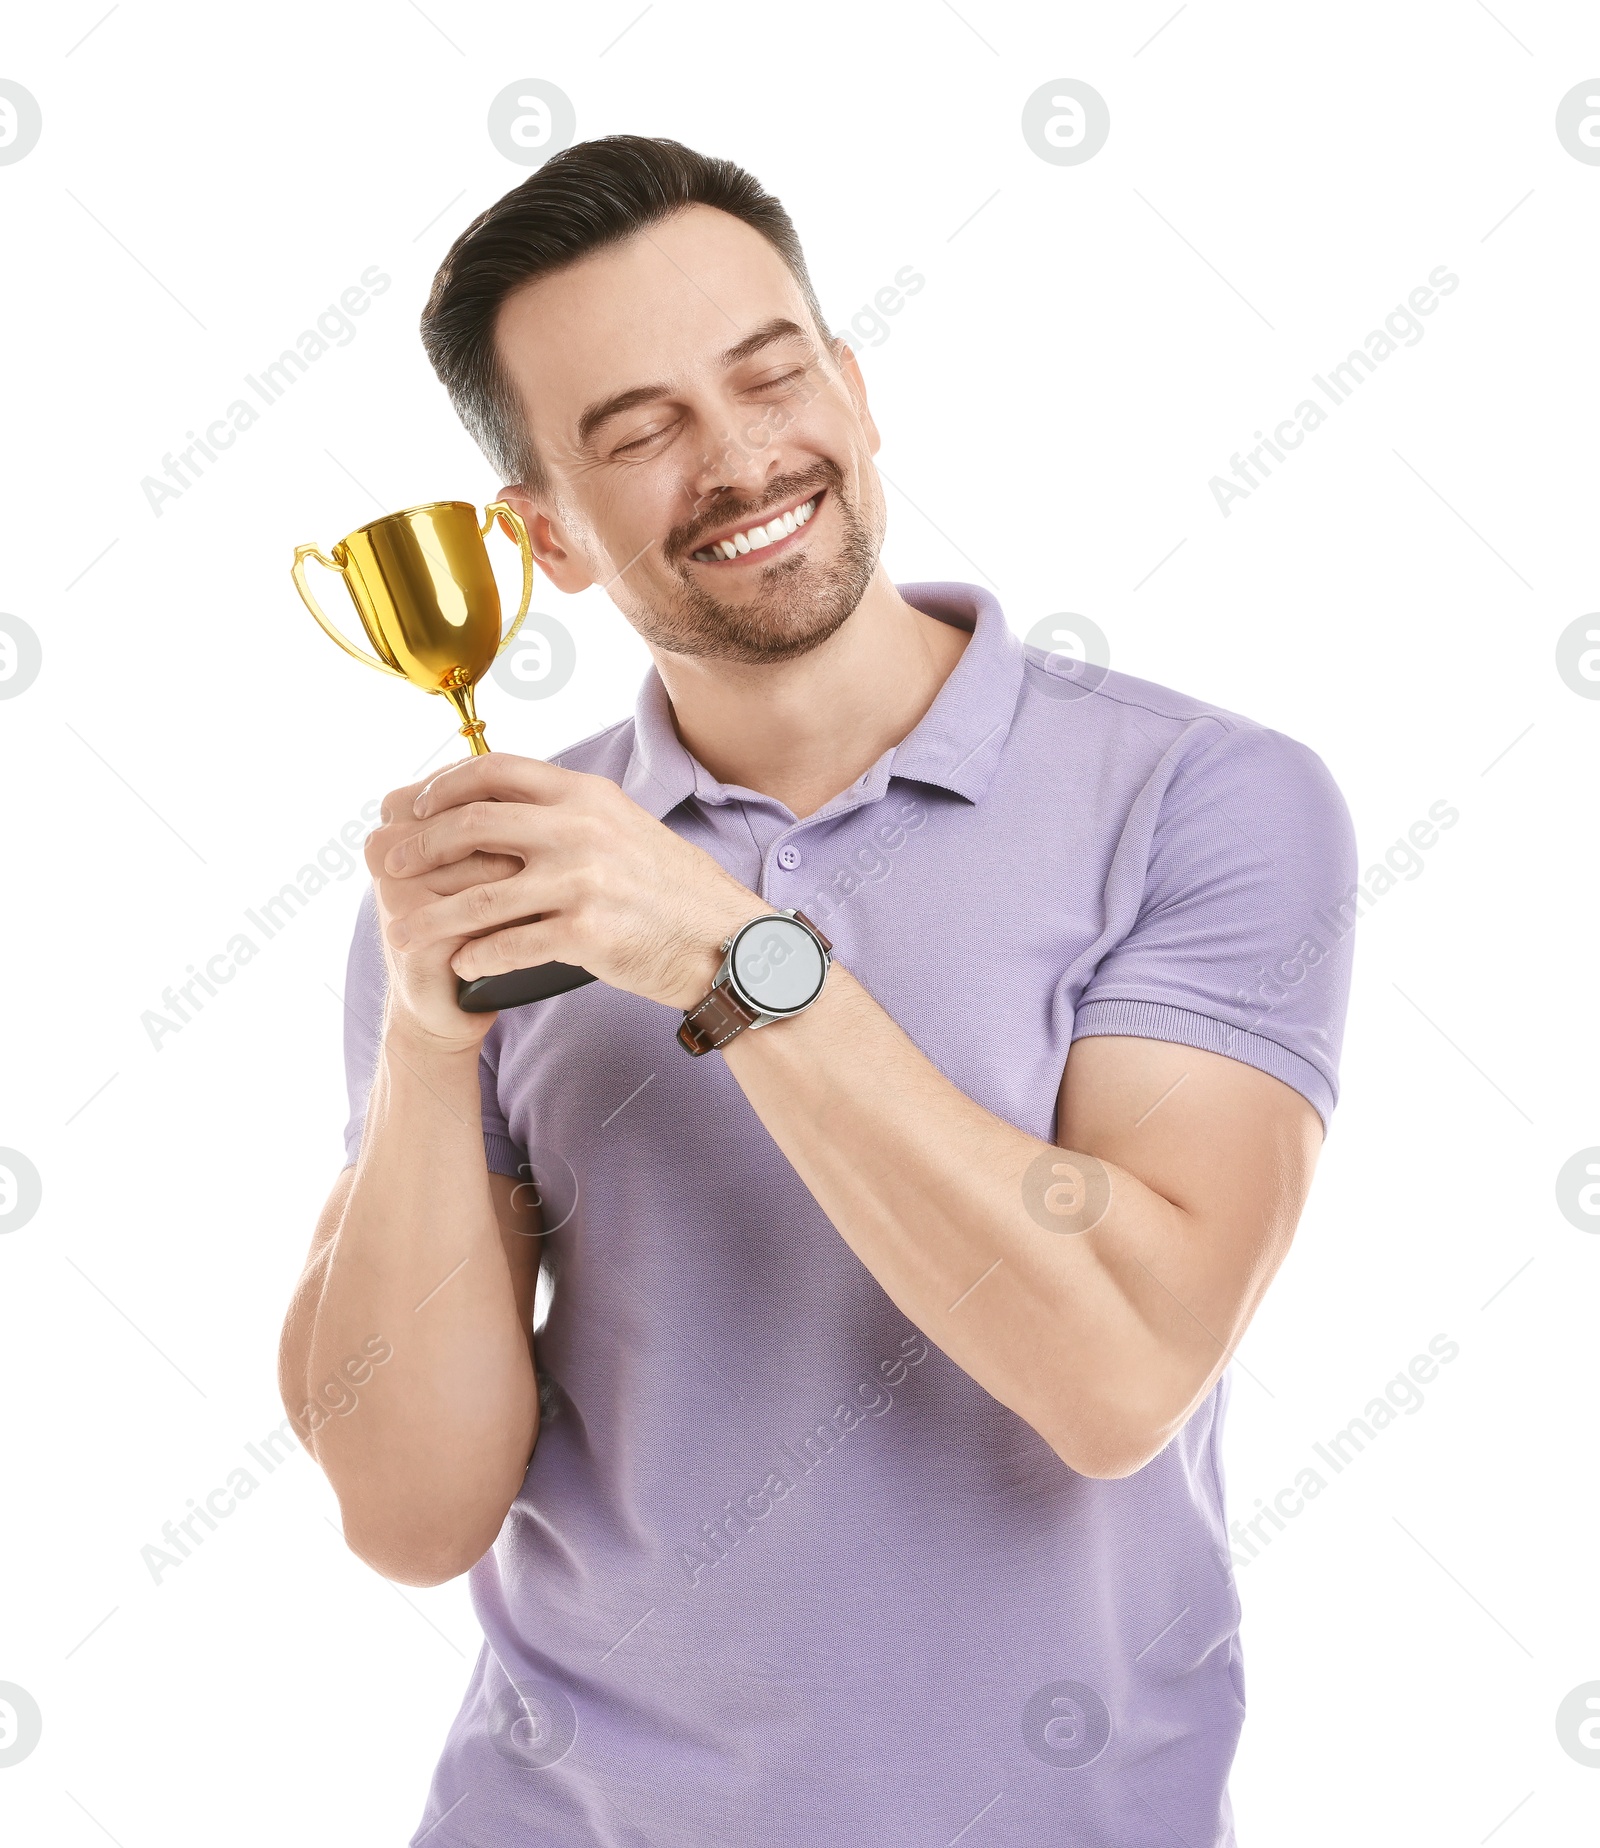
x,y
759,536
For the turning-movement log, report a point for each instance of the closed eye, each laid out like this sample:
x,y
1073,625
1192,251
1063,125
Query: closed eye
x,y
782,378
639,443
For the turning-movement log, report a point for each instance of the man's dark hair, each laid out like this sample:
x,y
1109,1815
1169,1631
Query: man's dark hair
x,y
594,194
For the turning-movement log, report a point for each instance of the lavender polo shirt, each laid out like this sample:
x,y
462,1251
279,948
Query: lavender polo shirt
x,y
780,1572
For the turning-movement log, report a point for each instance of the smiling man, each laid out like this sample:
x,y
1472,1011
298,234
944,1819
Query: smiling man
x,y
965,1034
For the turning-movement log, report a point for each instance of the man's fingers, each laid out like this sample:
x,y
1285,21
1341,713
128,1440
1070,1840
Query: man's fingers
x,y
403,898
496,777
479,826
399,804
476,910
398,822
500,782
475,869
522,947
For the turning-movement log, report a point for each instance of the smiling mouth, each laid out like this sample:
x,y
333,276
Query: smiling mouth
x,y
759,537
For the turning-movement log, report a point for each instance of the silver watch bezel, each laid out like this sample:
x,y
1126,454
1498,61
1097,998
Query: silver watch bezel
x,y
728,978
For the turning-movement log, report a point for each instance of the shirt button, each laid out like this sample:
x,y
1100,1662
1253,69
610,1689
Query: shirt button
x,y
788,857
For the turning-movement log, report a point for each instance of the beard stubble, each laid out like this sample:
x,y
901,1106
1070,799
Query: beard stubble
x,y
799,601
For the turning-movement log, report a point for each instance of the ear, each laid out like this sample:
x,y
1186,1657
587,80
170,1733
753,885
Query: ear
x,y
561,562
850,371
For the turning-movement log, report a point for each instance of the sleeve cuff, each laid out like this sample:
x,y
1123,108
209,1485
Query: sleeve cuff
x,y
503,1155
1155,1020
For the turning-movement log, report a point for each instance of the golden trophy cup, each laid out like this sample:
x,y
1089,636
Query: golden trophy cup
x,y
426,595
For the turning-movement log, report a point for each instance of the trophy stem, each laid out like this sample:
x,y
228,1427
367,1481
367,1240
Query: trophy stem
x,y
471,724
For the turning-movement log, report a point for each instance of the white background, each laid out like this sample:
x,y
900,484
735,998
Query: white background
x,y
1089,350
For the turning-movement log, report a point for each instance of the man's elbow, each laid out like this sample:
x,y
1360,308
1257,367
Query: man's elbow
x,y
1113,1443
1108,1462
404,1538
417,1556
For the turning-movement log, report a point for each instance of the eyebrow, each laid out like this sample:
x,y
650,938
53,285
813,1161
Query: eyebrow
x,y
604,409
768,334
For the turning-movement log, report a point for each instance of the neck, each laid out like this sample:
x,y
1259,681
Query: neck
x,y
803,730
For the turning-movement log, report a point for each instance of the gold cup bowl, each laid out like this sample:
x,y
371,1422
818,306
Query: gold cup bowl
x,y
426,595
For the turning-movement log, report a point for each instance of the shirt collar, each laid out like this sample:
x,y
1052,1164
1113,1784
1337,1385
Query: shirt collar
x,y
956,744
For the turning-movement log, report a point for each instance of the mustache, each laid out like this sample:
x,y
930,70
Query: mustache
x,y
686,538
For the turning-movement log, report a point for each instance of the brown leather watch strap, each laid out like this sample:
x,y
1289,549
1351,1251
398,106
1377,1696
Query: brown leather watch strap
x,y
722,1014
714,1021
814,929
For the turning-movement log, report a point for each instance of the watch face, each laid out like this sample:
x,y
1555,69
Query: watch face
x,y
777,965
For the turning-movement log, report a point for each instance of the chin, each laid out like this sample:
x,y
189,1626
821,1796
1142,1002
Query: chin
x,y
782,621
793,607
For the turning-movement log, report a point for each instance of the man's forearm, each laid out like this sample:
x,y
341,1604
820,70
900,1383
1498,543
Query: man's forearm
x,y
1100,1340
427,1460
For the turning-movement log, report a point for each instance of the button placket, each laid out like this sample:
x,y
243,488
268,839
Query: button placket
x,y
790,858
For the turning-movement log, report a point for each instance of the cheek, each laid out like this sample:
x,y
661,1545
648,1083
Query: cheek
x,y
858,439
630,513
832,429
869,497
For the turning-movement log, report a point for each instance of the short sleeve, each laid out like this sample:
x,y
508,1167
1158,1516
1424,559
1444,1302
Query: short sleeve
x,y
1242,924
365,992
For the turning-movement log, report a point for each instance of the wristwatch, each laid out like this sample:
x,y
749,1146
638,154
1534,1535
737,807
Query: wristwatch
x,y
772,968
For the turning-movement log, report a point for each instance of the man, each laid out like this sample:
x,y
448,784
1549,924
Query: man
x,y
862,1483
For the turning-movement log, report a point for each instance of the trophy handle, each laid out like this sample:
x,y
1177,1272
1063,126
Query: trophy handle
x,y
506,511
301,554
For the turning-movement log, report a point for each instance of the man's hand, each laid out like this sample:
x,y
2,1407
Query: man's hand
x,y
422,986
503,862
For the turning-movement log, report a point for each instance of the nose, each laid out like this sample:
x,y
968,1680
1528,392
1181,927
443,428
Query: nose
x,y
732,467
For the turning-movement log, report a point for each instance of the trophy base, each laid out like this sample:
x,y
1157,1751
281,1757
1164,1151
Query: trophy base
x,y
487,994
